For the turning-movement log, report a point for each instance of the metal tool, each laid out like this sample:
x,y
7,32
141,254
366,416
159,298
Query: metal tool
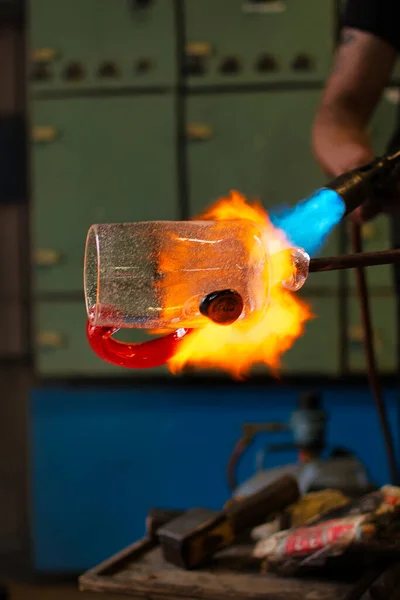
x,y
370,183
341,470
189,540
157,517
352,261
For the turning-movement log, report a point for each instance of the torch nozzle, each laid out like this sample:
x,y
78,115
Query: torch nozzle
x,y
371,182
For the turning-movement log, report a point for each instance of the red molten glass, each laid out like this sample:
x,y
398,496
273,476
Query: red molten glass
x,y
147,355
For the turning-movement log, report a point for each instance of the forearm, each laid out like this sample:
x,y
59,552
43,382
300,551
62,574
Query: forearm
x,y
361,70
340,139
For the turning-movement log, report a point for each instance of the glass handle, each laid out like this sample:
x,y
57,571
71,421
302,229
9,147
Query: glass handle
x,y
145,355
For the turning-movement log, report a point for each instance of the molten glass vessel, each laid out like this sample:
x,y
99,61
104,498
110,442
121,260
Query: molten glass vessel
x,y
155,275
172,275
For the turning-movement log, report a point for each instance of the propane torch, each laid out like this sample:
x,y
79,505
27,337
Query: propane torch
x,y
372,184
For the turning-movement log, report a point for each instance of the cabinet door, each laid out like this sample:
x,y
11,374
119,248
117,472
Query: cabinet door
x,y
62,349
248,41
101,43
384,322
97,160
260,145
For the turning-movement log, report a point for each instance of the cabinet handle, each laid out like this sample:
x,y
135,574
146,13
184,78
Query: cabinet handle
x,y
266,7
44,134
356,336
44,55
356,333
368,232
50,339
392,95
199,131
47,257
199,49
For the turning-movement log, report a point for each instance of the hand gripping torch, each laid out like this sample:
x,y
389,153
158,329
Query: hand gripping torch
x,y
374,184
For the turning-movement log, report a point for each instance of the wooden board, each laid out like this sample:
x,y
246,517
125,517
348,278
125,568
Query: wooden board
x,y
26,591
140,571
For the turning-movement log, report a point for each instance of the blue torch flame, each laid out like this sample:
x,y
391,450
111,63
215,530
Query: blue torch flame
x,y
309,223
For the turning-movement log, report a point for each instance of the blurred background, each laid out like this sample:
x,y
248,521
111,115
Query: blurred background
x,y
132,110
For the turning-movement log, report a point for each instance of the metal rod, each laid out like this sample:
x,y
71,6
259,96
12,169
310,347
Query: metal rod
x,y
351,261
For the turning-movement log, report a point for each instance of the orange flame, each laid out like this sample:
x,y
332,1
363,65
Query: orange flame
x,y
264,336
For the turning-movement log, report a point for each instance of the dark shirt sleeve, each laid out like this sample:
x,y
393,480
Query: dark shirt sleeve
x,y
379,17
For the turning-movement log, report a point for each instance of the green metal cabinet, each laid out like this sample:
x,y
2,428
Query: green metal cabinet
x,y
102,44
257,143
232,42
61,348
97,160
383,311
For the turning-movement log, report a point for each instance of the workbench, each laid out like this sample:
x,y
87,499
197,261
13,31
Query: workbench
x,y
140,571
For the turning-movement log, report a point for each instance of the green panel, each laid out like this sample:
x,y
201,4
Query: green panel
x,y
62,349
384,120
112,160
259,144
396,72
385,334
101,43
239,41
317,351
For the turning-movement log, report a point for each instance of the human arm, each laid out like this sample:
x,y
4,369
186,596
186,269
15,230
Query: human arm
x,y
362,68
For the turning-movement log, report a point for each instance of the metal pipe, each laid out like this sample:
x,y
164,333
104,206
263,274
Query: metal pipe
x,y
352,261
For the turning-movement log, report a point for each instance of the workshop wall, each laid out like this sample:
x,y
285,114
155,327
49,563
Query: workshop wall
x,y
152,109
101,458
